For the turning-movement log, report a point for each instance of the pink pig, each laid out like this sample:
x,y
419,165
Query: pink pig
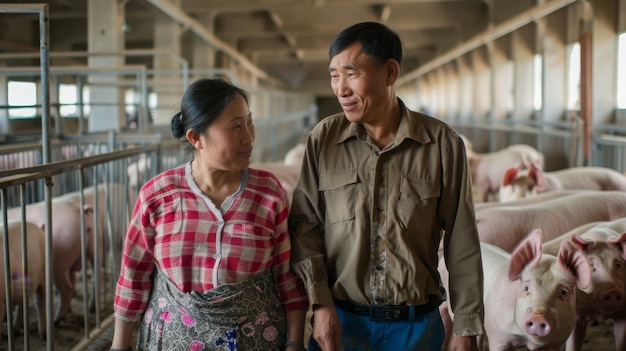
x,y
66,244
115,203
527,200
488,169
530,296
35,276
111,213
604,245
506,226
518,183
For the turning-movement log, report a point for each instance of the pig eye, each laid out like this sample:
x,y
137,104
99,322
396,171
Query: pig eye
x,y
592,263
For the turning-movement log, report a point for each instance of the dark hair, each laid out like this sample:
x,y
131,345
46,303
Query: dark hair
x,y
376,39
203,101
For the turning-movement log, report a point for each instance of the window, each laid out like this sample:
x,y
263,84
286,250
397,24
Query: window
x,y
573,77
23,95
621,71
538,82
68,98
86,106
153,100
131,101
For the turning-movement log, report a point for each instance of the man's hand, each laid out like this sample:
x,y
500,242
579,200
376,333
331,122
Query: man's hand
x,y
463,343
327,328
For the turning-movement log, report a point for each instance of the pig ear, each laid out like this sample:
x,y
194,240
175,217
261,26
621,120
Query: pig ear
x,y
527,252
509,176
572,259
583,244
537,176
618,244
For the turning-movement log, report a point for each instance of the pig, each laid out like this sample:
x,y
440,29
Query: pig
x,y
113,211
66,244
111,215
528,200
518,183
506,226
529,295
142,169
294,155
35,274
604,245
488,169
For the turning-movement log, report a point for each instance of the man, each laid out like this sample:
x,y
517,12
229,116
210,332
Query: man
x,y
378,188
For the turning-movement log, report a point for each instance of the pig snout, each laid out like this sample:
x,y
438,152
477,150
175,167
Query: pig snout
x,y
612,298
537,325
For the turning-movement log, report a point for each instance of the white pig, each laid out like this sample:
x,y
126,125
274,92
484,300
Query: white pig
x,y
506,226
66,244
112,210
604,245
520,183
530,296
294,155
115,203
527,200
488,169
35,275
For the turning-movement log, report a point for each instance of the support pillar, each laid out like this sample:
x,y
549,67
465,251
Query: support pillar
x,y
4,111
167,36
203,53
105,34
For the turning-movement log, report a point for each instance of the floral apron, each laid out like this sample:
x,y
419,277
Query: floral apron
x,y
243,316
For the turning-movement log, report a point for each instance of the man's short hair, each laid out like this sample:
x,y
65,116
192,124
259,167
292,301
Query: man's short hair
x,y
376,39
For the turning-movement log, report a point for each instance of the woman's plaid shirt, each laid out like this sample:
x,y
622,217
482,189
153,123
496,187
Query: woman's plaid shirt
x,y
200,247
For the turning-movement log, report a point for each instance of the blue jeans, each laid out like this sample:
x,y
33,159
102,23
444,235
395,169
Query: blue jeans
x,y
423,332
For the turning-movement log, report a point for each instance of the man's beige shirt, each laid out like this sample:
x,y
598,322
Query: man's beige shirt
x,y
366,224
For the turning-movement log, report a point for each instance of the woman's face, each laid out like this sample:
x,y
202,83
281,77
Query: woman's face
x,y
227,143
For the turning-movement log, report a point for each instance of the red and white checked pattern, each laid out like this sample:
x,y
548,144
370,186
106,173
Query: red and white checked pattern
x,y
200,248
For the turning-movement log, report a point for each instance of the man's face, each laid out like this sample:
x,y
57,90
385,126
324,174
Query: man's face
x,y
361,85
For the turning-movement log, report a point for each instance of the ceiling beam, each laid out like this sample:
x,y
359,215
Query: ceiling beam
x,y
179,16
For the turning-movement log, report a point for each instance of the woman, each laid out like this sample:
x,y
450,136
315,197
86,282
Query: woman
x,y
206,256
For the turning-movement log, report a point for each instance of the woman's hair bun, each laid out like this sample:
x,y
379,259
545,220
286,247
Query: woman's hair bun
x,y
178,129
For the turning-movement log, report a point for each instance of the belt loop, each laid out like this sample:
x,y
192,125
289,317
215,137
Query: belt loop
x,y
411,313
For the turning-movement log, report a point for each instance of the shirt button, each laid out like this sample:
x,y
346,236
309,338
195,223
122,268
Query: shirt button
x,y
379,300
379,267
379,238
379,179
216,256
380,209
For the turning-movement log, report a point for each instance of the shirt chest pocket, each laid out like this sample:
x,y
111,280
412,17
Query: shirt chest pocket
x,y
339,190
418,201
